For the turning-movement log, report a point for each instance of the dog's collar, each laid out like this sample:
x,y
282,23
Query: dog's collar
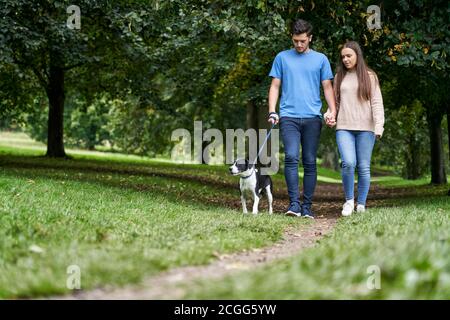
x,y
253,170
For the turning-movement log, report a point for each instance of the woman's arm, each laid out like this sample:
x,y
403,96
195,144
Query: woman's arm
x,y
376,103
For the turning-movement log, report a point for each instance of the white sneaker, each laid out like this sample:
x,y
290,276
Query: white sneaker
x,y
348,208
360,208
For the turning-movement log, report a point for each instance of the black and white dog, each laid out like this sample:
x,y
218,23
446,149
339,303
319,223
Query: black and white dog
x,y
253,182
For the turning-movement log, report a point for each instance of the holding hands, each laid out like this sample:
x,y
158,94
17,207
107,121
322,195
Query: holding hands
x,y
330,118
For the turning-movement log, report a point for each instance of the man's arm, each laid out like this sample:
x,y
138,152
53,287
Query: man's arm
x,y
331,102
274,93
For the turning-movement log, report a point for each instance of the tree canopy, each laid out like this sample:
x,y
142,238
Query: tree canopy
x,y
136,70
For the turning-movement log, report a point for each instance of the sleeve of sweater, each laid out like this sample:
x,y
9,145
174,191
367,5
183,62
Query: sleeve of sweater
x,y
376,103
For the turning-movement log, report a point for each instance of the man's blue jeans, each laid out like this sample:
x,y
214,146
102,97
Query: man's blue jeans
x,y
355,148
304,132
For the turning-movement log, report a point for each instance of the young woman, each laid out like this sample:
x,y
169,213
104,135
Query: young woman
x,y
359,122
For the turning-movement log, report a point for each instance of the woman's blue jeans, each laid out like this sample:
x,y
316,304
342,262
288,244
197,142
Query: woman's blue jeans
x,y
304,132
355,148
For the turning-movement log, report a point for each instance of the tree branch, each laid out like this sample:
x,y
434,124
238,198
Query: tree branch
x,y
74,66
38,74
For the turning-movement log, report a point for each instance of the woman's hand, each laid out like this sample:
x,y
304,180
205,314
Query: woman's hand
x,y
330,119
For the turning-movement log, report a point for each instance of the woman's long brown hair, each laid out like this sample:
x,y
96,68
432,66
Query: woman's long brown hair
x,y
362,72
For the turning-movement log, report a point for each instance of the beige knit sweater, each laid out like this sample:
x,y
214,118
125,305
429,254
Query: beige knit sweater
x,y
354,114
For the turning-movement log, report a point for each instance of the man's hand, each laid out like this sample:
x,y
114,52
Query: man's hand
x,y
330,118
273,118
274,92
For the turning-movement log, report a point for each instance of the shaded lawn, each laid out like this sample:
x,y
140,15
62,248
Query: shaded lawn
x,y
122,219
116,226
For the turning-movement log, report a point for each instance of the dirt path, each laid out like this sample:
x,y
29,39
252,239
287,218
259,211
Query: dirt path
x,y
166,285
327,206
172,284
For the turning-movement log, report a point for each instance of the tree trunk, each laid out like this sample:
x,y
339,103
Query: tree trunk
x,y
205,156
448,135
55,94
252,115
330,158
448,129
434,120
413,158
265,157
252,123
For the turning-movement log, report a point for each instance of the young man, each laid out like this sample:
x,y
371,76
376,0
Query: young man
x,y
299,72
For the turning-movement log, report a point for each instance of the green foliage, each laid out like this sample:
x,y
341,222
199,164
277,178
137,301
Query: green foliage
x,y
164,64
86,125
405,143
35,120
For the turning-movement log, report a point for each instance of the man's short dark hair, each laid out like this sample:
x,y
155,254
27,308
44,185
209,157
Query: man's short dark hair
x,y
302,26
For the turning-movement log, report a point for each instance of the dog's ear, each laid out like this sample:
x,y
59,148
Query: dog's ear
x,y
248,164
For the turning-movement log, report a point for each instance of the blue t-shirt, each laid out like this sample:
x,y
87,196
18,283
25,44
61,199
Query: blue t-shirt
x,y
301,75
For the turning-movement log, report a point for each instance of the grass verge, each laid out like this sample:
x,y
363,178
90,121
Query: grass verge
x,y
401,252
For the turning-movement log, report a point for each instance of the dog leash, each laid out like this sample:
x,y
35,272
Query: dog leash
x,y
261,149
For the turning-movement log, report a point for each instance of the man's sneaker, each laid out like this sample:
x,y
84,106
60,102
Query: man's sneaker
x,y
306,213
294,210
348,208
360,208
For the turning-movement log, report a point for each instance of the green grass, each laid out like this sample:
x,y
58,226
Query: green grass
x,y
394,181
117,227
121,218
19,144
409,243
